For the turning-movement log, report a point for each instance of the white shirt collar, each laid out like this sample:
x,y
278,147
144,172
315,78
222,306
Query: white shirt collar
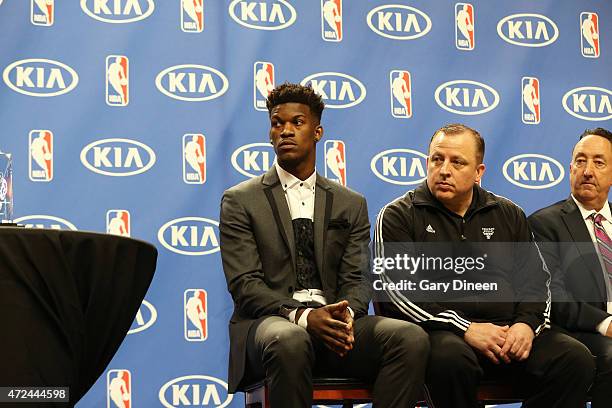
x,y
605,210
288,180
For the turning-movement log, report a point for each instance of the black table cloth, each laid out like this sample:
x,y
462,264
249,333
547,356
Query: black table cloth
x,y
67,300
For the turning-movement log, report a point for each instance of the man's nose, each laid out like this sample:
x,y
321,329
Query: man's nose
x,y
287,130
588,168
445,168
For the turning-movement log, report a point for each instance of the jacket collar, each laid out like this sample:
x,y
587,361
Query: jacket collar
x,y
324,199
576,227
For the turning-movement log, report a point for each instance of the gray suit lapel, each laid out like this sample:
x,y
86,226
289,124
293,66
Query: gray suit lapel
x,y
324,200
580,234
276,197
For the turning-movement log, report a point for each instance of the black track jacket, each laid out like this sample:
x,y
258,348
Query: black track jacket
x,y
418,217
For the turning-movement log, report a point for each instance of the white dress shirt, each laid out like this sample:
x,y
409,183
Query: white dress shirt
x,y
607,225
300,196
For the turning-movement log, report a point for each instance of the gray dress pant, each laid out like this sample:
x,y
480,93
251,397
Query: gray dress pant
x,y
391,354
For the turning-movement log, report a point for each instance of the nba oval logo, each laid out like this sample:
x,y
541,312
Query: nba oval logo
x,y
40,77
533,171
190,236
145,317
528,30
465,97
118,11
195,390
45,221
117,157
253,159
337,90
398,22
588,103
400,166
263,15
191,82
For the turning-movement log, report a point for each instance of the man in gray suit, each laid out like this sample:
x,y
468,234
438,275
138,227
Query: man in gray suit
x,y
295,254
575,235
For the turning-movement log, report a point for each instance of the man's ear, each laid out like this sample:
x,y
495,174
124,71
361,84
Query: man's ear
x,y
480,169
318,133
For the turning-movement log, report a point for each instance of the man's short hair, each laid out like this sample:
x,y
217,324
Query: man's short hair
x,y
457,128
288,92
598,132
606,134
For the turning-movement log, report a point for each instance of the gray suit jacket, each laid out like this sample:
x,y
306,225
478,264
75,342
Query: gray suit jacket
x,y
578,289
258,253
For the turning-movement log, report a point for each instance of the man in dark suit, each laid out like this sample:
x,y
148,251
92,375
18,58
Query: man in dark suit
x,y
575,235
295,254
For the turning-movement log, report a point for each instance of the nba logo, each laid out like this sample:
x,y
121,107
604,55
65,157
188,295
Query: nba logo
x,y
196,326
401,94
194,158
335,161
331,20
464,26
41,155
118,222
41,12
531,100
192,16
119,389
589,35
117,80
263,83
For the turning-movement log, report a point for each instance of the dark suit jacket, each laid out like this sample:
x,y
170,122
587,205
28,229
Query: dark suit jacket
x,y
258,253
578,287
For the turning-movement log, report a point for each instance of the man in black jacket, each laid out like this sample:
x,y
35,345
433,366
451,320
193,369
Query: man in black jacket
x,y
575,242
499,329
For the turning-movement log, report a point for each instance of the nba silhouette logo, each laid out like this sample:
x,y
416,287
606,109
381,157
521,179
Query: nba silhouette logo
x,y
194,158
41,155
331,20
196,321
531,100
589,35
263,83
464,26
41,12
335,161
192,16
401,94
117,80
118,389
118,222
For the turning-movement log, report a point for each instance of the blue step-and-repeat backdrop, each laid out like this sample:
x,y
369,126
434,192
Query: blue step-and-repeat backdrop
x,y
133,116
